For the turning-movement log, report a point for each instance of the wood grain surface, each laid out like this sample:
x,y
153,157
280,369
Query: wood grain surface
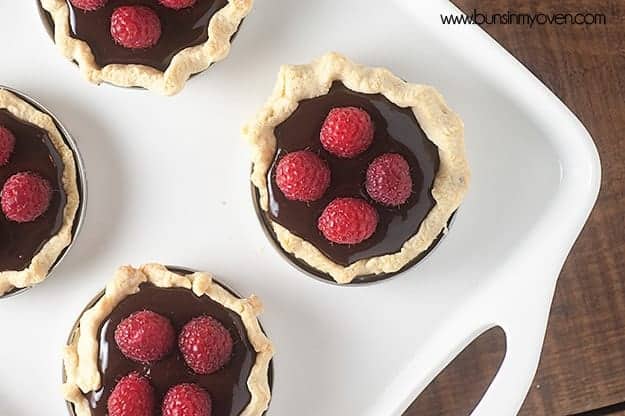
x,y
458,389
583,362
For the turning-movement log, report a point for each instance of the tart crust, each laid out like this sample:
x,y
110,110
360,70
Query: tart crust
x,y
41,263
81,355
442,126
222,26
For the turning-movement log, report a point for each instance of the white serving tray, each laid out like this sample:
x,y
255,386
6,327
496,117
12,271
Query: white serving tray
x,y
168,182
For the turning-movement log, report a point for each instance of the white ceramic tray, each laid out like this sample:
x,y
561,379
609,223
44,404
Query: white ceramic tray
x,y
168,182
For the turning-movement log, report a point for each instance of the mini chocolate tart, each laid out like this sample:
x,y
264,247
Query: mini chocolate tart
x,y
191,39
410,122
31,247
94,363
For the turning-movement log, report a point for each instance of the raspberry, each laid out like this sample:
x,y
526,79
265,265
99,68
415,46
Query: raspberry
x,y
302,176
132,396
187,400
145,336
347,132
135,27
177,4
205,344
25,196
7,144
388,179
348,221
88,5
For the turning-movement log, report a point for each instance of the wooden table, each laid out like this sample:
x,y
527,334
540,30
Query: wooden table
x,y
583,362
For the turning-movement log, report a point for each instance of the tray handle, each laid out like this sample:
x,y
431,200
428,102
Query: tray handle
x,y
516,306
514,377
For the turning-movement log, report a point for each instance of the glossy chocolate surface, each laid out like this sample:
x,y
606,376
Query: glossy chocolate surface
x,y
34,152
180,30
396,131
313,272
227,387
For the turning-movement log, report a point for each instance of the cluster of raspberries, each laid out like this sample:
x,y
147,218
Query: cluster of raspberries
x,y
25,196
134,27
147,337
303,176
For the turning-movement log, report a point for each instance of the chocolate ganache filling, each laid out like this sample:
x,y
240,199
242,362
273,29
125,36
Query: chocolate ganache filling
x,y
180,29
34,152
396,131
227,387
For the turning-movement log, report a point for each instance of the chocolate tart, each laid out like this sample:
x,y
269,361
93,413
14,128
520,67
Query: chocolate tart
x,y
411,120
93,363
29,251
192,39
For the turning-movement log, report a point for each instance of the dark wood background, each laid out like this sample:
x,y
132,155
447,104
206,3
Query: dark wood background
x,y
583,362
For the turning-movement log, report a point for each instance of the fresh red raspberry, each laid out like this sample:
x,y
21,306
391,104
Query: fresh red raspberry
x,y
7,144
88,5
388,179
132,396
348,221
302,176
177,4
25,196
187,400
145,336
205,344
135,27
347,132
